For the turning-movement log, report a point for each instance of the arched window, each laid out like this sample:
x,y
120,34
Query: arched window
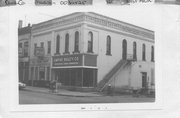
x,y
57,44
152,53
90,42
67,43
108,45
134,51
144,52
76,42
124,50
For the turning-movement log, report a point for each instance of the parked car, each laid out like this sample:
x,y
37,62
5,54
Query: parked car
x,y
22,85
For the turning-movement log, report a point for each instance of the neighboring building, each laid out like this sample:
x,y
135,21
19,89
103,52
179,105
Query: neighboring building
x,y
24,36
86,51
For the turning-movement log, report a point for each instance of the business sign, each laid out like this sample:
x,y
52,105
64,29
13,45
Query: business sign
x,y
45,61
67,60
39,51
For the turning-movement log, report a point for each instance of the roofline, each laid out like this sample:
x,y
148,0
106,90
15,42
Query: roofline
x,y
121,21
61,17
93,13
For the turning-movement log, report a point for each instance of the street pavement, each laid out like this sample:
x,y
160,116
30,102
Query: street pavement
x,y
35,95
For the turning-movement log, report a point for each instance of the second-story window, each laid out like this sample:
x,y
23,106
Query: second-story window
x,y
67,43
57,44
124,49
20,45
26,49
76,42
134,51
90,42
35,46
108,45
42,44
20,49
144,52
152,53
49,47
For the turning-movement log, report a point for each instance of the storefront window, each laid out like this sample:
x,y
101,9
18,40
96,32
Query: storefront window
x,y
48,73
79,77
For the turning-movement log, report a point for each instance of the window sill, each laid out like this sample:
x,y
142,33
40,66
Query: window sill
x,y
76,52
90,52
66,53
108,54
57,54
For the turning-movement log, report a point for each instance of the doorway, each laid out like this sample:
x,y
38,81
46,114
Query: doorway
x,y
144,80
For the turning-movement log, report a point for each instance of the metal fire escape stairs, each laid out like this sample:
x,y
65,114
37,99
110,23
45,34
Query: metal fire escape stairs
x,y
110,75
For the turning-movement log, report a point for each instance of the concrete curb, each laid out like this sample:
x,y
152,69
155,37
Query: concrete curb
x,y
60,94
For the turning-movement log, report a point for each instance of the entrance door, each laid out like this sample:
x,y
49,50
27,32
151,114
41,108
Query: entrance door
x,y
144,80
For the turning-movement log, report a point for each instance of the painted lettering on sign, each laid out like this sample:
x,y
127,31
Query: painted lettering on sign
x,y
67,60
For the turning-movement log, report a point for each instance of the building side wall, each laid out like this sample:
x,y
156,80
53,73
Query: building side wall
x,y
121,80
131,77
136,73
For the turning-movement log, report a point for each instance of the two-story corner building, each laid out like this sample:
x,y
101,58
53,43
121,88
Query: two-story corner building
x,y
85,50
24,36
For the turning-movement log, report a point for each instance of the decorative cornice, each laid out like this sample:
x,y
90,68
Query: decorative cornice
x,y
118,26
60,22
96,19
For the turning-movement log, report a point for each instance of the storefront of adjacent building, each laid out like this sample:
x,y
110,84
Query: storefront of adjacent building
x,y
88,51
24,35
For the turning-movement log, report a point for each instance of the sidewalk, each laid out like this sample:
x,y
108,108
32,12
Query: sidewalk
x,y
63,92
